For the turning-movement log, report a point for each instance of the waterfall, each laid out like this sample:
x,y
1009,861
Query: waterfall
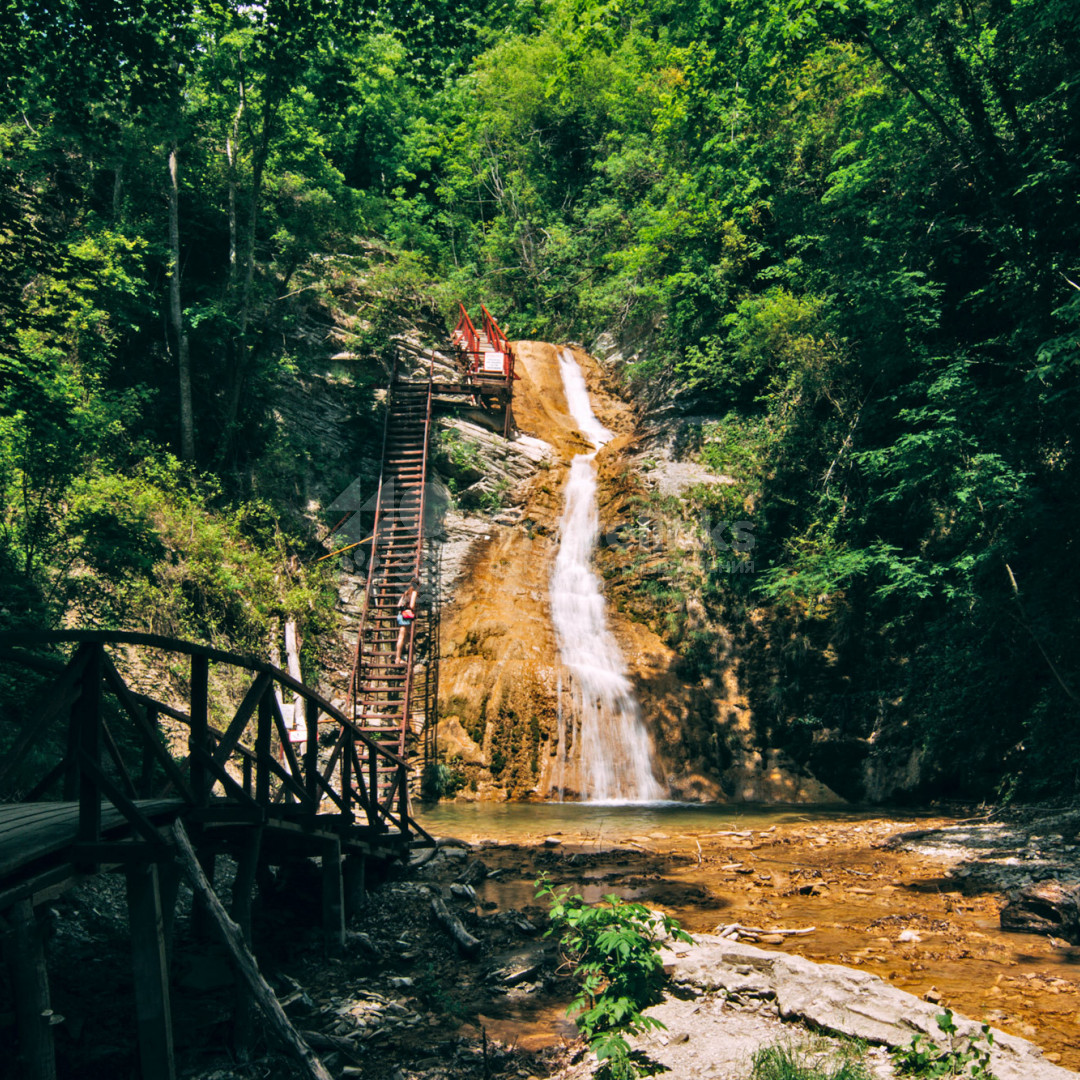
x,y
611,744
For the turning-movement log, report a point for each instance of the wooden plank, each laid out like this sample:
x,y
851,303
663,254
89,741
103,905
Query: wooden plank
x,y
55,699
295,770
130,703
46,782
49,828
231,786
132,814
240,719
117,852
25,950
247,864
43,887
118,761
153,1012
199,734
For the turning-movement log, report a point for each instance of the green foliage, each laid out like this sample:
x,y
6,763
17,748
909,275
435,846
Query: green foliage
x,y
846,228
442,780
791,1063
964,1056
614,948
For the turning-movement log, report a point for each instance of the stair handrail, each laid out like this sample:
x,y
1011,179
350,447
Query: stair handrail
x,y
407,691
470,339
358,651
499,341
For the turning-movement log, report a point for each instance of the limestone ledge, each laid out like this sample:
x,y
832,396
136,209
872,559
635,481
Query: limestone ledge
x,y
839,999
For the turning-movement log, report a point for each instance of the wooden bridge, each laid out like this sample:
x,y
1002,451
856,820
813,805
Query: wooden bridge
x,y
98,770
102,776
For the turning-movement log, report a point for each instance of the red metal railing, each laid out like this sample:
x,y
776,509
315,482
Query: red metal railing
x,y
468,340
472,345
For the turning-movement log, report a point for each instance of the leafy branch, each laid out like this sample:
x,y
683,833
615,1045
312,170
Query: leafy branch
x,y
614,948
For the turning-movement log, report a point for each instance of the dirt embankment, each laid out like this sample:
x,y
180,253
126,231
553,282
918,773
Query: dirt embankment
x,y
500,676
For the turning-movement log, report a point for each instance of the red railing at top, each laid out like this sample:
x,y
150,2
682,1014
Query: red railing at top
x,y
467,337
494,334
481,360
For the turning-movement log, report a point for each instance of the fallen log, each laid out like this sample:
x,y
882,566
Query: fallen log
x,y
453,925
320,1041
441,844
232,936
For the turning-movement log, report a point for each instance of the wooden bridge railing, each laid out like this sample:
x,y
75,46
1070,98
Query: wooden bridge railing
x,y
126,766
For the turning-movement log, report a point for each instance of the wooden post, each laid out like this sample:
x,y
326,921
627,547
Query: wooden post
x,y
346,776
25,953
333,898
86,717
244,1028
354,874
71,757
146,776
152,1009
311,752
263,750
168,888
200,729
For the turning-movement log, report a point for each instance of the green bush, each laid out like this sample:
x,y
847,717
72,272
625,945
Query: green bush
x,y
614,947
965,1056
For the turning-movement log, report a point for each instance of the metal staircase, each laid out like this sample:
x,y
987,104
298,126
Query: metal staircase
x,y
381,691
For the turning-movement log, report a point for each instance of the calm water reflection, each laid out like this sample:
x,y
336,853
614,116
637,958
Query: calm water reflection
x,y
515,821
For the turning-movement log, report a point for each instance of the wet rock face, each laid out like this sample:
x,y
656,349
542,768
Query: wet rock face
x,y
501,671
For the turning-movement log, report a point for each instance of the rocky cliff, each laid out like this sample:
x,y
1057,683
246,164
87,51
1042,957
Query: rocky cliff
x,y
500,699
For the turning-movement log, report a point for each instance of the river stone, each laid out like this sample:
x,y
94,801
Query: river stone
x,y
1045,907
839,999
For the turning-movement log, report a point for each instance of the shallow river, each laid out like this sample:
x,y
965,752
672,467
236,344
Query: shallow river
x,y
518,822
896,913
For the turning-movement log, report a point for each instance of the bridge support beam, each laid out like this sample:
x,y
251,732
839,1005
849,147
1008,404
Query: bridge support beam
x,y
247,866
354,874
333,898
153,1011
25,953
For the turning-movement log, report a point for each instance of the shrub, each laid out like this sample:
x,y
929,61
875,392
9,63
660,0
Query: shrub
x,y
965,1056
614,947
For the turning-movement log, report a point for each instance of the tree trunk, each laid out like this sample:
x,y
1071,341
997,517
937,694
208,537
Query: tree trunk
x,y
187,416
236,390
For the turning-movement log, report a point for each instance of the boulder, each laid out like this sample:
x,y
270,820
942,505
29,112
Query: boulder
x,y
841,1000
1045,907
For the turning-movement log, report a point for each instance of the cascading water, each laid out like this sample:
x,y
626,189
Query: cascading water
x,y
611,744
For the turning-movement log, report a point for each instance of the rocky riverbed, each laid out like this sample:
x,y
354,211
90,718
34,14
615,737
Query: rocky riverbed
x,y
904,916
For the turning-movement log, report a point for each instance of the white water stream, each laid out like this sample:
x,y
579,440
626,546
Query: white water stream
x,y
611,745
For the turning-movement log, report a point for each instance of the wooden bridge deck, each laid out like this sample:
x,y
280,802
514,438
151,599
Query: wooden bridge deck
x,y
43,833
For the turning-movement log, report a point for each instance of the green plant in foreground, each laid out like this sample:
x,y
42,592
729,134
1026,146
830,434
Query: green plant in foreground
x,y
614,948
964,1056
790,1063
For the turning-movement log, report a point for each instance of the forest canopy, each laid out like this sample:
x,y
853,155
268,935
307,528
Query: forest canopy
x,y
846,230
